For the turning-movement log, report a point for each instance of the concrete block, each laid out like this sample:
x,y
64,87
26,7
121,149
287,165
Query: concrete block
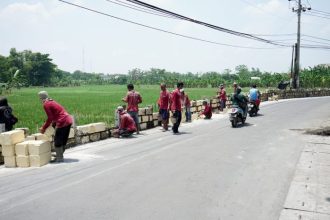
x,y
22,149
84,129
30,138
142,111
193,103
104,135
71,134
39,147
42,137
40,160
155,123
26,131
143,126
155,116
50,131
12,137
193,109
149,111
23,161
10,161
8,150
98,127
145,118
95,137
84,139
199,102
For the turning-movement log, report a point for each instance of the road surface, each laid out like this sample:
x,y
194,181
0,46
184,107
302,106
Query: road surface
x,y
210,171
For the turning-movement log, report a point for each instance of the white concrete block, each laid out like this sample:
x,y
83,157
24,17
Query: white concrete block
x,y
144,118
12,137
71,134
22,149
10,161
8,150
40,160
26,130
155,116
30,138
84,129
39,147
50,131
143,126
98,127
23,161
42,137
142,111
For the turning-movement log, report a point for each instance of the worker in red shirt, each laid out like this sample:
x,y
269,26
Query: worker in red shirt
x,y
164,105
133,100
222,97
126,124
57,116
176,107
186,105
207,110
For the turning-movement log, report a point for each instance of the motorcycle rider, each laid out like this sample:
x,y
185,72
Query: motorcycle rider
x,y
240,100
254,95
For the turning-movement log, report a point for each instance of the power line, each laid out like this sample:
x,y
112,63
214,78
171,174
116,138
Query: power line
x,y
134,7
315,37
324,12
162,30
315,15
222,29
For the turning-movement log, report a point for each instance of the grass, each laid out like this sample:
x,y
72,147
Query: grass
x,y
87,103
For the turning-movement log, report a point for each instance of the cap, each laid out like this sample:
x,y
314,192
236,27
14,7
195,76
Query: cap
x,y
43,95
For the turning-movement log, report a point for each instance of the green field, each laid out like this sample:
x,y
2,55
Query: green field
x,y
87,103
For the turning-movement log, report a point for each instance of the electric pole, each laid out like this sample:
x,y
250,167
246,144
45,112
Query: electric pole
x,y
295,78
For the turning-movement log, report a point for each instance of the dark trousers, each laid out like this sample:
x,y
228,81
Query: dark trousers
x,y
178,116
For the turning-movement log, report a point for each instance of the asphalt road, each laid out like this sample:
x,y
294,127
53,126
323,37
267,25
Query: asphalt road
x,y
210,171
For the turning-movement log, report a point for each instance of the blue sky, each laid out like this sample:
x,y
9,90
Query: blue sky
x,y
81,40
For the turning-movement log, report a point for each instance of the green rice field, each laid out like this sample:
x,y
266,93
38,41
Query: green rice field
x,y
87,103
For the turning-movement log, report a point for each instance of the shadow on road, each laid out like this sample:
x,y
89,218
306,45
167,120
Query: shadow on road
x,y
70,160
240,125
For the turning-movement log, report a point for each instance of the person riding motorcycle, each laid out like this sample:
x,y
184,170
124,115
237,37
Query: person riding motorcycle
x,y
254,95
240,100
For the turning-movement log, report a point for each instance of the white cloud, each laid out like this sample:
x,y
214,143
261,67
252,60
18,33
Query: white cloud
x,y
273,7
23,12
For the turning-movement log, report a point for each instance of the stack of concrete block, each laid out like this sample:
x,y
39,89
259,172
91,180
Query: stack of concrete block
x,y
146,118
39,152
8,141
91,132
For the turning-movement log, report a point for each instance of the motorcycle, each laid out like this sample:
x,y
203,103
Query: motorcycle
x,y
237,115
253,108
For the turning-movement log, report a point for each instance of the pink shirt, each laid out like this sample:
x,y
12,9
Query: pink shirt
x,y
133,99
164,99
56,113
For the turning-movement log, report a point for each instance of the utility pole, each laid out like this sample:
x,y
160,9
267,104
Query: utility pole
x,y
295,79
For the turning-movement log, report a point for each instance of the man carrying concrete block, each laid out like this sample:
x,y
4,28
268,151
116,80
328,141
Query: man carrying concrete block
x,y
57,115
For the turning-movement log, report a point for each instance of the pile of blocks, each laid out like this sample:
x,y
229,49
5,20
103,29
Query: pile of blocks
x,y
147,118
24,153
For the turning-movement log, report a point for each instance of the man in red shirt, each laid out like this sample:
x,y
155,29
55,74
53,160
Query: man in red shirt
x,y
176,107
133,99
222,97
126,124
57,115
207,111
186,105
163,102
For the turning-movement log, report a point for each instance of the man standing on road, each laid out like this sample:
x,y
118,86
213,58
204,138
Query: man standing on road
x,y
163,102
57,115
176,107
133,99
222,97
